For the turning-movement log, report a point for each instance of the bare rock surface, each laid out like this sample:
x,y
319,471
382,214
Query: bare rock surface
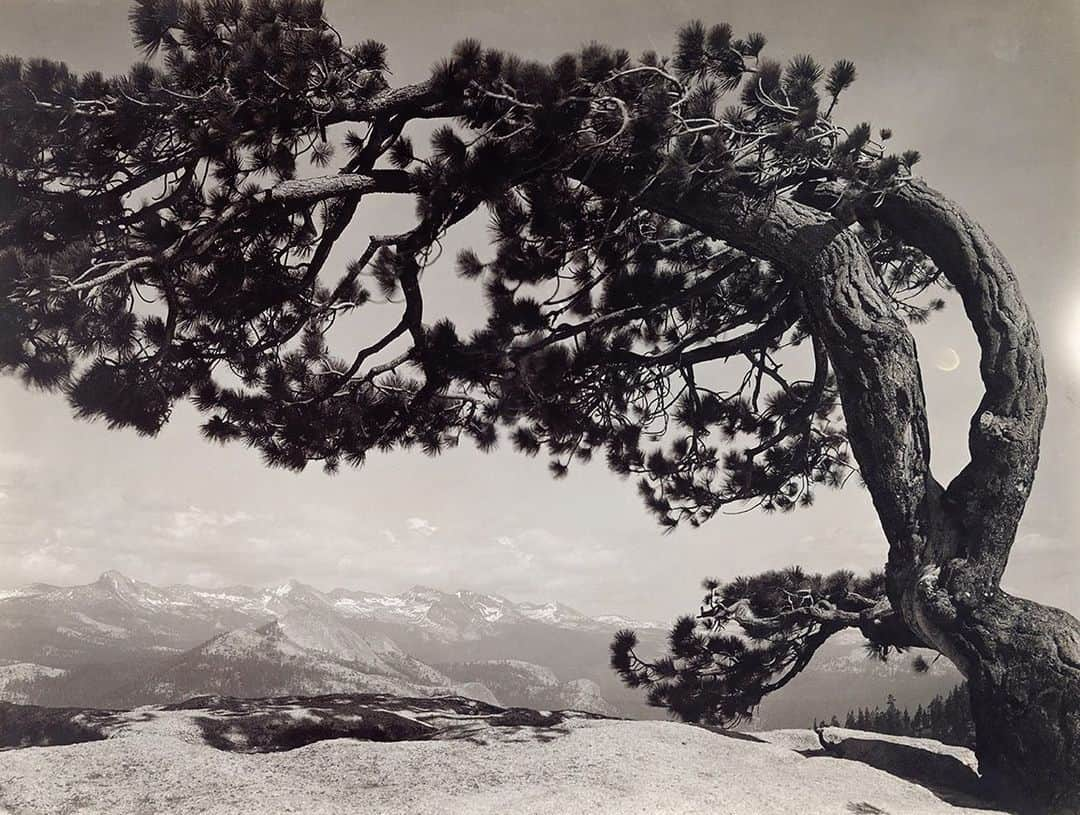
x,y
376,753
948,768
802,741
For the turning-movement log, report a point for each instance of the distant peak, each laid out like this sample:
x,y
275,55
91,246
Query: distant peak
x,y
627,622
288,587
553,612
424,591
295,591
114,578
466,594
123,587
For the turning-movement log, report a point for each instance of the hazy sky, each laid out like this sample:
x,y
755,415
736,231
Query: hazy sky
x,y
986,90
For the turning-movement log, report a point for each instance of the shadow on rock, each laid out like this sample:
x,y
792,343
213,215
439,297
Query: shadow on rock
x,y
946,771
286,723
279,730
33,726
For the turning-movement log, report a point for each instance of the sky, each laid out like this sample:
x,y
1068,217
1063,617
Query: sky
x,y
986,90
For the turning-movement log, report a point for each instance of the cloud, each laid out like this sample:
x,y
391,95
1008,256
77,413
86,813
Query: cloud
x,y
422,526
190,523
16,463
538,564
1006,48
208,546
49,563
195,522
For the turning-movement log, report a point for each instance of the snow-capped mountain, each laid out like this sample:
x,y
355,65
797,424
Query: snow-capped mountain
x,y
463,615
298,654
118,639
116,615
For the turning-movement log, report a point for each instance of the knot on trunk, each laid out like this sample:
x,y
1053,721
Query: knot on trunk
x,y
1000,427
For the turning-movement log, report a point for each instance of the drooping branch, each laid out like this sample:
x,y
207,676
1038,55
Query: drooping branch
x,y
705,285
776,325
754,635
239,263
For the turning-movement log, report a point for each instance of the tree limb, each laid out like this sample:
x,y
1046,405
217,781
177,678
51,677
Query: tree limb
x,y
989,494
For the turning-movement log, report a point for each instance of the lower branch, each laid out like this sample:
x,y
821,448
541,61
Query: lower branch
x,y
753,636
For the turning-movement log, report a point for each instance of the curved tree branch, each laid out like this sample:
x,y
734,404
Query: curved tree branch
x,y
988,497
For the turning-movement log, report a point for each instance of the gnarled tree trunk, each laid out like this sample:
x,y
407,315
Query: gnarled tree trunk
x,y
948,547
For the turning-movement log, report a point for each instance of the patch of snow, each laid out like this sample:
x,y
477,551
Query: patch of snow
x,y
21,671
225,598
404,714
11,594
549,612
20,674
301,714
490,614
618,621
114,631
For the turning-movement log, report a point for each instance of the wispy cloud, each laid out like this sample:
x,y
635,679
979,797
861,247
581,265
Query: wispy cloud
x,y
13,462
195,522
537,563
422,526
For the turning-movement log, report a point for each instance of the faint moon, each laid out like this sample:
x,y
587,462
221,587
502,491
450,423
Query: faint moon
x,y
947,360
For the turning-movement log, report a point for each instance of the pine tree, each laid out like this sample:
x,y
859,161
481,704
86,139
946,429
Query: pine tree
x,y
167,235
947,719
919,721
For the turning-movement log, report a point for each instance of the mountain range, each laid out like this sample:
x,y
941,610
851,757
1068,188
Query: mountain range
x,y
121,642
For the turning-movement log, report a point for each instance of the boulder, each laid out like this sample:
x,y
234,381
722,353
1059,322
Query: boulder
x,y
949,770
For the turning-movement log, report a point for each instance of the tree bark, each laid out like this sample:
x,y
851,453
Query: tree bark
x,y
1025,700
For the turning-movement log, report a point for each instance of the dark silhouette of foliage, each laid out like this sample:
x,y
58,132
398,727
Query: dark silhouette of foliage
x,y
188,183
755,634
